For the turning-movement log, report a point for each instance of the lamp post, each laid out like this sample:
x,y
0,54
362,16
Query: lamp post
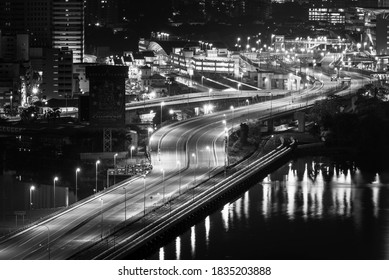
x,y
163,185
102,219
125,203
54,180
114,160
144,195
11,104
248,103
209,161
225,151
77,170
97,164
48,240
194,168
209,98
232,109
132,148
162,104
179,175
114,168
239,92
32,188
150,131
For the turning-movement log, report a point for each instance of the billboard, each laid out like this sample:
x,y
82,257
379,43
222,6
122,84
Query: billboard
x,y
107,95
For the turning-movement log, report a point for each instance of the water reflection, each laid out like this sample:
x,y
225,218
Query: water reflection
x,y
178,248
314,202
193,240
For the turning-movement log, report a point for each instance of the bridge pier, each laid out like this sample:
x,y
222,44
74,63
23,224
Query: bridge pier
x,y
270,125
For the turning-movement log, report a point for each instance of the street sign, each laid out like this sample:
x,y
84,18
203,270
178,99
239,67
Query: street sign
x,y
21,213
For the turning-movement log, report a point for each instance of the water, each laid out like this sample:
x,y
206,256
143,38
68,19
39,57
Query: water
x,y
310,208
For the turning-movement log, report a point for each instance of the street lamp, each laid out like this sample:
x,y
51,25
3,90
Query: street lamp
x,y
102,219
162,104
11,103
209,98
194,168
97,164
48,239
125,203
163,185
232,109
209,161
248,107
179,175
114,160
77,170
114,168
32,188
225,151
239,91
132,148
54,180
144,195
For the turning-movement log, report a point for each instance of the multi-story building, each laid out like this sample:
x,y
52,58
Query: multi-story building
x,y
329,15
50,23
68,27
31,17
103,12
186,61
382,33
14,47
58,73
9,82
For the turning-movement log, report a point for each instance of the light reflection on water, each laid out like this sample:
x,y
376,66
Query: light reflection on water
x,y
310,208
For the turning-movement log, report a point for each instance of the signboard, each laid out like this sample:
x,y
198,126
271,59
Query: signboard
x,y
107,95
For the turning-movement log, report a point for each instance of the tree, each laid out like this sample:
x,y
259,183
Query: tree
x,y
244,132
29,114
324,111
165,116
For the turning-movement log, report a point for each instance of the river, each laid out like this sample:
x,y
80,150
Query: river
x,y
310,208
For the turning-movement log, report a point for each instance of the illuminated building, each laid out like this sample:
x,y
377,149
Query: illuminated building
x,y
68,27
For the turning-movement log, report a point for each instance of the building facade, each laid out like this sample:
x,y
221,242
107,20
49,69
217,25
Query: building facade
x,y
382,36
68,27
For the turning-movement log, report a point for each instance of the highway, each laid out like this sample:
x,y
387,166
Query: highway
x,y
180,159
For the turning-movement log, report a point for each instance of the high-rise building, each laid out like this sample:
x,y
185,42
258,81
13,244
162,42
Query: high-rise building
x,y
14,48
32,17
50,23
68,27
58,73
382,32
103,12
